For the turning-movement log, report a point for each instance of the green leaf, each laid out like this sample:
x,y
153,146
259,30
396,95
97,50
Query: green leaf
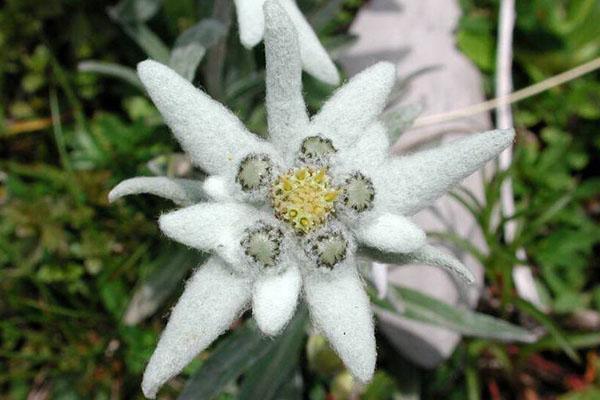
x,y
421,307
134,10
132,15
475,39
148,41
550,326
575,340
113,70
166,277
326,12
278,366
293,388
592,393
382,387
232,357
192,44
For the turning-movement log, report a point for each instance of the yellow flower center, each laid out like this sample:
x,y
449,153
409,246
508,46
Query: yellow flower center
x,y
304,198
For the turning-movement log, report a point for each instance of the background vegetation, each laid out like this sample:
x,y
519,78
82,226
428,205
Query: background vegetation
x,y
85,286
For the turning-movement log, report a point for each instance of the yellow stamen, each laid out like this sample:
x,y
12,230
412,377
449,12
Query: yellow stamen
x,y
320,176
304,198
301,173
331,196
287,185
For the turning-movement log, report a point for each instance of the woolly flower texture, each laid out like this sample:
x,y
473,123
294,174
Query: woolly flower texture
x,y
292,214
315,60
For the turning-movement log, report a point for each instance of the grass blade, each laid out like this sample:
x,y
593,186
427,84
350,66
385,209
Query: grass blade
x,y
192,44
113,70
550,326
421,307
232,357
160,284
276,367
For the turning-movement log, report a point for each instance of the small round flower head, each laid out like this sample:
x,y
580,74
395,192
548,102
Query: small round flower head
x,y
358,192
254,172
327,248
316,150
262,244
282,204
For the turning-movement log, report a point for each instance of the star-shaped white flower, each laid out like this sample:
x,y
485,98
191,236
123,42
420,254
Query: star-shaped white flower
x,y
315,60
290,215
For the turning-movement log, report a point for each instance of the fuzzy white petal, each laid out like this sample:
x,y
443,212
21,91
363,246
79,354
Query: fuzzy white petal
x,y
217,188
407,184
183,192
391,233
212,299
436,257
379,274
428,255
274,299
210,227
251,21
366,154
340,308
210,134
355,106
286,110
315,59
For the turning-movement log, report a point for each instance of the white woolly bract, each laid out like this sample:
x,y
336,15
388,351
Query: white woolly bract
x,y
340,309
218,188
286,111
366,154
274,299
436,257
428,255
407,184
182,192
251,21
315,59
391,233
379,275
215,227
355,106
212,299
214,138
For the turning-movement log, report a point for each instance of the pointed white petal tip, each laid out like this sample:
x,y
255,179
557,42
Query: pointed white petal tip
x,y
250,42
495,141
217,188
391,233
340,309
386,69
149,388
213,298
330,75
147,68
382,74
114,194
182,192
274,300
507,134
251,22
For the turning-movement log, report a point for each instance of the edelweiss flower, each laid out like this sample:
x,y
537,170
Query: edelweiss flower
x,y
315,60
289,215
